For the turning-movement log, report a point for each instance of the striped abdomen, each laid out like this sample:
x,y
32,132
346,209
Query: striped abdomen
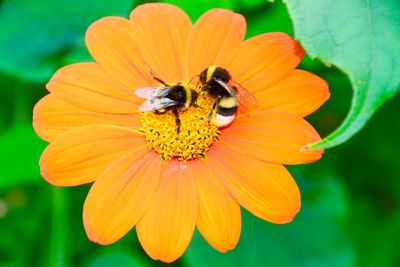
x,y
225,112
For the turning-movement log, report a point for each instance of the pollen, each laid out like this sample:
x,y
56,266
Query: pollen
x,y
194,139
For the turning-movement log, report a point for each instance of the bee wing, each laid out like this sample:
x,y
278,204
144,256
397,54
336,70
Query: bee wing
x,y
145,106
156,104
161,91
244,97
229,89
145,92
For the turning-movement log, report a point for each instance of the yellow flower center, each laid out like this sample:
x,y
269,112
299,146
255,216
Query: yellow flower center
x,y
196,134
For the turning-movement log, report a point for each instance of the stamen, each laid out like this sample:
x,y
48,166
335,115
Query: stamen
x,y
194,139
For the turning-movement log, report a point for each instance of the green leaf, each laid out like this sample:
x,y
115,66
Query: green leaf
x,y
362,38
20,150
305,242
35,35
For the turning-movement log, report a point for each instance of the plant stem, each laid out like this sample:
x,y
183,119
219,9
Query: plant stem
x,y
58,240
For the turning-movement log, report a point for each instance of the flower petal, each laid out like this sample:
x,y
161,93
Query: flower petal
x,y
265,59
167,227
219,219
53,116
111,43
213,39
161,32
120,196
87,85
301,93
79,156
267,190
272,136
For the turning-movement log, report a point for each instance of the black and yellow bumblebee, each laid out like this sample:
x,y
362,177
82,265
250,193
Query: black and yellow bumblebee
x,y
228,94
165,97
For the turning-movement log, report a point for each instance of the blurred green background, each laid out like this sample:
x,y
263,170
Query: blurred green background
x,y
351,198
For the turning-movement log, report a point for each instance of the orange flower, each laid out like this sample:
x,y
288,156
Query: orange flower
x,y
96,133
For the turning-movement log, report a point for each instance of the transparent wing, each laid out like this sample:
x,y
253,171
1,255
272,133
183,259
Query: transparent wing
x,y
145,92
145,106
153,104
244,97
148,92
229,89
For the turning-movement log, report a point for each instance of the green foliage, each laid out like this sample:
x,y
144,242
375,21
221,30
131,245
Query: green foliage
x,y
116,258
360,37
349,214
24,228
304,242
274,22
19,157
36,35
253,3
194,10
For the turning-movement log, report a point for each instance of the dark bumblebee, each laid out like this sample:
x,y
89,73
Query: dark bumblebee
x,y
165,97
228,94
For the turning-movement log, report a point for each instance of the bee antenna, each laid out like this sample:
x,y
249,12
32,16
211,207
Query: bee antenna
x,y
153,74
197,105
192,79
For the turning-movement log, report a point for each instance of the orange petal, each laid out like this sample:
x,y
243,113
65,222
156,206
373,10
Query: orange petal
x,y
267,190
120,196
112,45
264,60
167,227
87,85
219,219
213,39
161,32
272,136
301,93
79,156
53,116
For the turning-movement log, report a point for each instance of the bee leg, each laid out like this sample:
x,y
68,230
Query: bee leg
x,y
196,105
210,114
177,120
214,108
204,89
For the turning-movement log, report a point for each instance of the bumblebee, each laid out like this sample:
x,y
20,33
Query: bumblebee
x,y
165,97
228,94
